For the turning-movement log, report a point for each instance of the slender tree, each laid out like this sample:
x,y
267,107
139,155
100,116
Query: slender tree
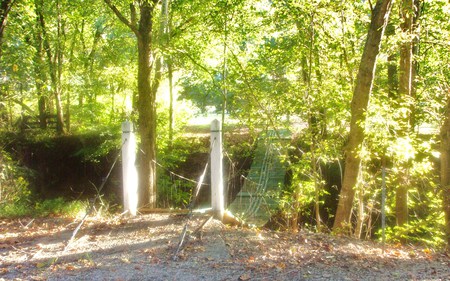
x,y
54,59
361,93
5,8
39,72
405,92
141,24
445,167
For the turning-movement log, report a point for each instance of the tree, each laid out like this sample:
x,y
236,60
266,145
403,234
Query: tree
x,y
360,100
147,87
445,166
5,7
40,77
405,90
54,58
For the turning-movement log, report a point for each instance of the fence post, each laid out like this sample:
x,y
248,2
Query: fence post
x,y
217,195
129,173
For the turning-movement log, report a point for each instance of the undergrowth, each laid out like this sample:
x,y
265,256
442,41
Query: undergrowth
x,y
43,208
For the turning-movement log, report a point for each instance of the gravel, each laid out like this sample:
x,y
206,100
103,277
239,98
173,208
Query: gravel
x,y
143,248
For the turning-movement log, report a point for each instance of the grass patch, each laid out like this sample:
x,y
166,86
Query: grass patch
x,y
49,207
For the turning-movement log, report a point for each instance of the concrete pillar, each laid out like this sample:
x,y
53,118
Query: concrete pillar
x,y
129,173
217,190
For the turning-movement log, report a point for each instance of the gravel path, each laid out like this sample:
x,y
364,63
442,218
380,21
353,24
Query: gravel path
x,y
143,248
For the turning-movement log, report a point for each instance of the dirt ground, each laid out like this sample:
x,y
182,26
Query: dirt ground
x,y
144,247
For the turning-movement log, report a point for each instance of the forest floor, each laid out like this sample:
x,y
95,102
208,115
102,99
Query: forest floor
x,y
143,248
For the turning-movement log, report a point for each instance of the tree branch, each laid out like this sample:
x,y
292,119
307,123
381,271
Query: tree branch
x,y
121,17
133,14
371,6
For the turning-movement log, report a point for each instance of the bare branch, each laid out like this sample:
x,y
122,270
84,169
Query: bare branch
x,y
371,6
121,17
133,14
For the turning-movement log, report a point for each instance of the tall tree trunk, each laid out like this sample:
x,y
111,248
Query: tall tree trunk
x,y
225,71
392,66
314,122
40,79
88,71
415,63
361,93
405,91
168,28
61,127
147,111
54,64
171,103
147,126
5,8
146,103
445,168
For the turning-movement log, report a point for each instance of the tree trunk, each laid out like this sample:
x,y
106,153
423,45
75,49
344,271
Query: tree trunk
x,y
147,128
146,96
445,168
54,66
405,90
60,129
147,113
39,77
171,103
5,7
363,88
392,67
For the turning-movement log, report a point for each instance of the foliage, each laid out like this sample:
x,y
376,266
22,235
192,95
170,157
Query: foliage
x,y
174,193
268,64
59,207
100,144
43,208
14,185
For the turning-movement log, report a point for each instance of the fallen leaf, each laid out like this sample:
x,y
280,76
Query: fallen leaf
x,y
41,264
244,277
3,271
280,266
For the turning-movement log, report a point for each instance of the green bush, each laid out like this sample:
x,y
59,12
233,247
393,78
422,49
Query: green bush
x,y
422,232
15,210
14,185
43,208
174,193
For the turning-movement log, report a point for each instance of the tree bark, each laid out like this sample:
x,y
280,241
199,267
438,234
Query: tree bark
x,y
361,93
392,67
54,64
40,77
5,8
146,97
405,74
167,25
146,111
445,168
60,126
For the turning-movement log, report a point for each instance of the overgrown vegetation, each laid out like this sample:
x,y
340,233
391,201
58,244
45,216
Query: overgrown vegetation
x,y
74,68
18,200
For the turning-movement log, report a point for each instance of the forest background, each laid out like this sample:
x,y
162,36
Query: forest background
x,y
71,68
